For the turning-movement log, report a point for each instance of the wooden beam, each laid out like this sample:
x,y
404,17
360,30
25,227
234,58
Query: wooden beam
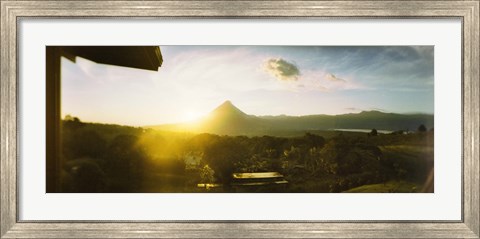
x,y
53,118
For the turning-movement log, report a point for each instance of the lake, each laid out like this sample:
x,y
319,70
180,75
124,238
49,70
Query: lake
x,y
365,130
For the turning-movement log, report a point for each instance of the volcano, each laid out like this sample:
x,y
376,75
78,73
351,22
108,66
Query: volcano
x,y
227,111
228,119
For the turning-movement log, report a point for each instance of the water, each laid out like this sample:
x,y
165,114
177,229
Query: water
x,y
365,130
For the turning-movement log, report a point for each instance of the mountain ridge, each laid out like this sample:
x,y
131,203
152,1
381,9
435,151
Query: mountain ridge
x,y
227,119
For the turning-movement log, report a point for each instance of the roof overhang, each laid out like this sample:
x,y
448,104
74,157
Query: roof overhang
x,y
141,57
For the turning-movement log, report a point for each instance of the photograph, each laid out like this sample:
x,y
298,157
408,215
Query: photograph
x,y
239,119
243,119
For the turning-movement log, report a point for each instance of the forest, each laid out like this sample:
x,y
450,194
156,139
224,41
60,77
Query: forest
x,y
108,158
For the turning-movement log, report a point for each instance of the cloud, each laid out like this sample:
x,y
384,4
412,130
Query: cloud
x,y
331,77
289,77
377,109
355,109
282,69
319,80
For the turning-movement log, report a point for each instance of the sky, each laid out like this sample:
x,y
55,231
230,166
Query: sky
x,y
259,80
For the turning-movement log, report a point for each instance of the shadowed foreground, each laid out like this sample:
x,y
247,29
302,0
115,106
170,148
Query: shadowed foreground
x,y
120,159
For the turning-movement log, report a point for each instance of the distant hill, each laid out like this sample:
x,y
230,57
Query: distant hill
x,y
227,119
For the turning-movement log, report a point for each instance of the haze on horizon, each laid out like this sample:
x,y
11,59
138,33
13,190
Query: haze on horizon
x,y
259,80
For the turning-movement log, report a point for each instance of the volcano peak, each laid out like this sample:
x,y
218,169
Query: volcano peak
x,y
228,108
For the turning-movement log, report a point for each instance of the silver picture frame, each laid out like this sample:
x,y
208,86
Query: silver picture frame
x,y
467,227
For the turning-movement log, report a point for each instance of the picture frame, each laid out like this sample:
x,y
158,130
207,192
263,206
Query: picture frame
x,y
12,11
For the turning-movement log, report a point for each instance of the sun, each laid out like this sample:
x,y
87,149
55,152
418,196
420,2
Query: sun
x,y
191,115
